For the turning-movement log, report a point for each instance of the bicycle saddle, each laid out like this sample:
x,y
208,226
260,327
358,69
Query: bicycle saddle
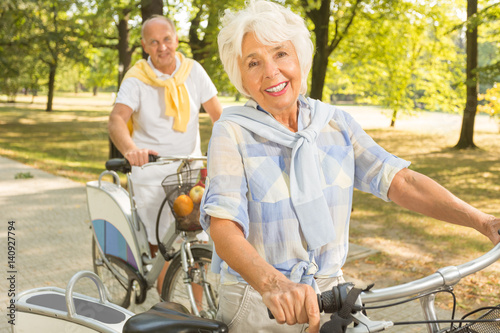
x,y
173,318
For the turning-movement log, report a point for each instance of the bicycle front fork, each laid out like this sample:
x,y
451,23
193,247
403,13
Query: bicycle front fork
x,y
194,275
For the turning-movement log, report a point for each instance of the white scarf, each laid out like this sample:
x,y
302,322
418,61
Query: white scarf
x,y
305,185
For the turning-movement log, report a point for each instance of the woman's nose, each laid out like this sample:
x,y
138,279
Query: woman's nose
x,y
271,69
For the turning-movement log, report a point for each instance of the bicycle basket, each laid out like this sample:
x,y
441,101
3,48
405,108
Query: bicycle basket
x,y
484,327
179,184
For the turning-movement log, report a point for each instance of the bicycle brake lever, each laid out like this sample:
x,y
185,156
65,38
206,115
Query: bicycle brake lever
x,y
365,325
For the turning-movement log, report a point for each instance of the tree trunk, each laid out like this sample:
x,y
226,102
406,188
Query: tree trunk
x,y
466,139
124,56
325,45
319,66
393,118
321,20
52,80
195,43
148,9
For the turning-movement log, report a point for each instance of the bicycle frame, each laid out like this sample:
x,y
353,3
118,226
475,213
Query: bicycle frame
x,y
113,213
112,210
444,279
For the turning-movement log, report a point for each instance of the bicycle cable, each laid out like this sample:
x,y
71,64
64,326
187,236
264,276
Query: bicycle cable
x,y
452,320
409,300
161,246
471,321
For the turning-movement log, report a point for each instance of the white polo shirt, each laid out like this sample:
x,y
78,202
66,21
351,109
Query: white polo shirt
x,y
152,128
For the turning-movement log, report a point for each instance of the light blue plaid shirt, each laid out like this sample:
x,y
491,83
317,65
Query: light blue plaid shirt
x,y
248,183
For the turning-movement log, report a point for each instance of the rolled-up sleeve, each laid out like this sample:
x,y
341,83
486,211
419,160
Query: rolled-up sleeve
x,y
374,166
226,188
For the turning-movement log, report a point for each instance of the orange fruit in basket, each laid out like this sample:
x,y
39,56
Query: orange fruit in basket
x,y
183,205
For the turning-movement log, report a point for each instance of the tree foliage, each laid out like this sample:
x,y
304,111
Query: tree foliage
x,y
402,58
403,55
330,22
492,101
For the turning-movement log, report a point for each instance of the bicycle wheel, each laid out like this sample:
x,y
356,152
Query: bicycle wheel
x,y
117,290
174,288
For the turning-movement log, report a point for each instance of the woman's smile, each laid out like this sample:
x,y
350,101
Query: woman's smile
x,y
278,89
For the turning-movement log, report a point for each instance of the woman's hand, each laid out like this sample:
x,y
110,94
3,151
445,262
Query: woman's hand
x,y
492,229
290,302
293,303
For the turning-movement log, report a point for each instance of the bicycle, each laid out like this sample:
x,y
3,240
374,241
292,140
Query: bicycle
x,y
349,309
120,250
52,309
49,309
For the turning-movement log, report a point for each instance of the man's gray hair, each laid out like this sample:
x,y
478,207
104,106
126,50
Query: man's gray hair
x,y
272,24
158,17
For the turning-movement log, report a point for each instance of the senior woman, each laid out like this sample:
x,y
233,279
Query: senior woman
x,y
282,170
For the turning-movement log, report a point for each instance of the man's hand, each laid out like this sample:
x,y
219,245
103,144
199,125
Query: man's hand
x,y
139,157
293,303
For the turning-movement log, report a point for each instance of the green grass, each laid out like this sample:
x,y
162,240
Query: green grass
x,y
411,245
72,141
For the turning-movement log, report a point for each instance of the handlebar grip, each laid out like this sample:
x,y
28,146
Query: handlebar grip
x,y
118,164
331,301
123,165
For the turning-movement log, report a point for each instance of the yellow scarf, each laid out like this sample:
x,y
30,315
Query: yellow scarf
x,y
176,95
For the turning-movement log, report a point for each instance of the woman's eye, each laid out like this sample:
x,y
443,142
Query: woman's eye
x,y
252,64
281,54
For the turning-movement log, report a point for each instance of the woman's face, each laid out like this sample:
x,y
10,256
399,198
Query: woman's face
x,y
271,74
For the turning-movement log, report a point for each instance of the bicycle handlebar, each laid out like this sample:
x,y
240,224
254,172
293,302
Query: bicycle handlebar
x,y
443,278
122,164
332,301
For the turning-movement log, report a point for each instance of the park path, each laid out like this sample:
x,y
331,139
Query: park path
x,y
53,237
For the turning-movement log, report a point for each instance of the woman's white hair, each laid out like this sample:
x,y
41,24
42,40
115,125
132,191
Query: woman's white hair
x,y
272,24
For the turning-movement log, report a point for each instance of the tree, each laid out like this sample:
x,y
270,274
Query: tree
x,y
332,21
54,35
148,9
479,67
402,58
492,105
101,69
19,65
466,139
49,34
488,46
108,25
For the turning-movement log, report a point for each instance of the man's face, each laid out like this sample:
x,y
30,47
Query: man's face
x,y
160,42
